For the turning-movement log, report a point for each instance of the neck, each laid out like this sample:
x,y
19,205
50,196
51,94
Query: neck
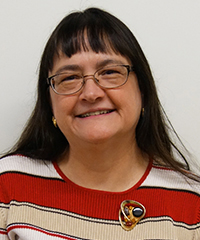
x,y
104,167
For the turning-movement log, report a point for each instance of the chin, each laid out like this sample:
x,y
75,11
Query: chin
x,y
97,138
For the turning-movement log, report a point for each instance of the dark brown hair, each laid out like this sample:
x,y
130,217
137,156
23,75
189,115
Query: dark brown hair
x,y
41,140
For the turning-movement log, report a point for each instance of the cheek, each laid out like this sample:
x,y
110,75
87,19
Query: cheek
x,y
132,97
63,108
133,103
61,105
134,92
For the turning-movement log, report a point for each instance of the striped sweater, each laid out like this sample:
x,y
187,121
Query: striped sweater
x,y
37,201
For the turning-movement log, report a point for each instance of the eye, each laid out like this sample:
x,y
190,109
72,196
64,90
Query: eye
x,y
109,72
67,77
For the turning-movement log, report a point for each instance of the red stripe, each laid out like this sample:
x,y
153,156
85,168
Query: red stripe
x,y
162,168
3,232
180,206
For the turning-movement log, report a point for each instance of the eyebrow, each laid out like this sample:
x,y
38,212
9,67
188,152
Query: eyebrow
x,y
75,67
108,61
72,67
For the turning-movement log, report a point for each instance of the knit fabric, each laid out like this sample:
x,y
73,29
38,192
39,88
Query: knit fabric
x,y
37,201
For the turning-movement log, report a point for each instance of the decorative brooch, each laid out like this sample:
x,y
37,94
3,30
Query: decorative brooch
x,y
130,213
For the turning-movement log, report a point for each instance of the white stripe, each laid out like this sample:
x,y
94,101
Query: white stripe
x,y
27,165
164,178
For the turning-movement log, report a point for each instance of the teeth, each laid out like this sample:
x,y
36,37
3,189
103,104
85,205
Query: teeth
x,y
95,113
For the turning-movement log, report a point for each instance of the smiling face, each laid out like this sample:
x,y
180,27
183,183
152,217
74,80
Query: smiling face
x,y
94,114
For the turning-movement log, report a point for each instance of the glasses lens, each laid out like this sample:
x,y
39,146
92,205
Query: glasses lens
x,y
112,76
107,77
67,83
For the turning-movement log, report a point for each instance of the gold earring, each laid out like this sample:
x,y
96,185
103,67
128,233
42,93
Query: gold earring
x,y
54,121
142,112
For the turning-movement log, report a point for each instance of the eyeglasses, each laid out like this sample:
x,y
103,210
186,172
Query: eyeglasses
x,y
72,81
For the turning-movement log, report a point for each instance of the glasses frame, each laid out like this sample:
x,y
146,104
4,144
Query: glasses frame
x,y
128,67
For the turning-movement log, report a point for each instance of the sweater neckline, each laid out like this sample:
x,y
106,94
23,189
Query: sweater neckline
x,y
80,188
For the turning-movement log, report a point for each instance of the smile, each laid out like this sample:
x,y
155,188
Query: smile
x,y
95,113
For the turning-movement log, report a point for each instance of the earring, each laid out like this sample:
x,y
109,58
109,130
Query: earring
x,y
54,121
142,112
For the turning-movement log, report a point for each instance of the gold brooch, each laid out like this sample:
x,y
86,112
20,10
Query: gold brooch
x,y
130,213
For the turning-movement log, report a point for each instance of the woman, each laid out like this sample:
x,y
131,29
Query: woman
x,y
95,160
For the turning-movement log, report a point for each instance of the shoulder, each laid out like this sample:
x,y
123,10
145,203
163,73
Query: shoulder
x,y
24,165
165,178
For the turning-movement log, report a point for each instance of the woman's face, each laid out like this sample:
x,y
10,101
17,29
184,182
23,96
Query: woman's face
x,y
124,101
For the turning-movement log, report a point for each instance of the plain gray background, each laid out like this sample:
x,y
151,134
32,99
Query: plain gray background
x,y
167,30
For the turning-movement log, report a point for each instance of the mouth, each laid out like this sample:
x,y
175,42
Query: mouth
x,y
101,112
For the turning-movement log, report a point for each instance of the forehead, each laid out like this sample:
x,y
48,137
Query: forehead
x,y
87,60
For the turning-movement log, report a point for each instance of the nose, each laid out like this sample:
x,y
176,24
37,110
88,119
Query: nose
x,y
91,92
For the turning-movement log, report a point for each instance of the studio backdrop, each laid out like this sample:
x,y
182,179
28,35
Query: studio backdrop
x,y
167,30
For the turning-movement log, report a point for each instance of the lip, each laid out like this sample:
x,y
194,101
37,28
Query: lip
x,y
95,112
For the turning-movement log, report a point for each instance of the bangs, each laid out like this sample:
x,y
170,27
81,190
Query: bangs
x,y
87,31
85,39
91,29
